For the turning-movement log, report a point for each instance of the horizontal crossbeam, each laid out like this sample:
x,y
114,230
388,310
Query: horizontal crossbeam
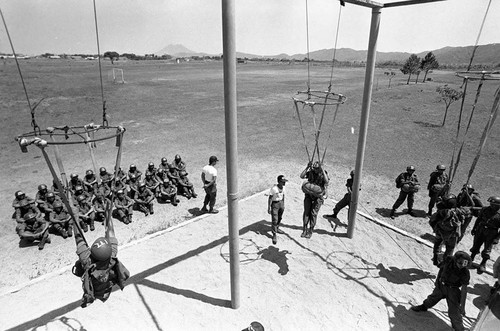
x,y
375,4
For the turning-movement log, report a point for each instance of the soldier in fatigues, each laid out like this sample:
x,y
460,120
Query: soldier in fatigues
x,y
100,205
90,182
168,192
486,231
317,176
34,228
152,184
408,183
344,202
451,284
106,177
86,213
135,172
151,170
60,220
179,164
23,205
144,199
74,182
448,226
123,207
185,187
437,186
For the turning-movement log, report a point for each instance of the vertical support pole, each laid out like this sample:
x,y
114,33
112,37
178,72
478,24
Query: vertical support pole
x,y
59,162
115,177
230,107
92,157
365,114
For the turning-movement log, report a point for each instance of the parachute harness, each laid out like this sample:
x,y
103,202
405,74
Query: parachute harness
x,y
312,98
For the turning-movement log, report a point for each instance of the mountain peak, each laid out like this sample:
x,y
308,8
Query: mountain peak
x,y
173,49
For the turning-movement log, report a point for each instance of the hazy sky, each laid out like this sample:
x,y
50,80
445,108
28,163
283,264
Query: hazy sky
x,y
263,27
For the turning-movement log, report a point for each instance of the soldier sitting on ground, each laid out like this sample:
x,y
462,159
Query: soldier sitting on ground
x,y
74,182
123,207
86,213
185,187
144,199
106,177
134,171
118,185
152,183
164,165
90,182
150,169
41,197
80,192
178,163
34,228
48,206
448,225
104,190
55,188
132,186
100,205
161,175
121,175
23,205
173,175
60,220
168,192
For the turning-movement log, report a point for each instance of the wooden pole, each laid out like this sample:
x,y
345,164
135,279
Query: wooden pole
x,y
230,107
365,114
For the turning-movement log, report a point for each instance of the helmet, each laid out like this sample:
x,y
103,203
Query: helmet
x,y
450,201
101,249
57,204
73,175
468,187
163,159
50,195
160,171
151,165
132,176
141,185
494,201
29,216
177,157
133,167
42,187
20,195
119,192
352,172
102,170
80,198
182,173
78,188
441,167
316,165
89,172
213,159
461,255
410,168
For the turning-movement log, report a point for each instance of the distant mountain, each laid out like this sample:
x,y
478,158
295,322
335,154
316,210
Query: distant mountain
x,y
485,54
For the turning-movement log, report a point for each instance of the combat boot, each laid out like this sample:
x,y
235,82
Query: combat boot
x,y
304,232
84,226
419,308
392,215
482,267
70,231
275,239
92,228
63,233
42,242
411,213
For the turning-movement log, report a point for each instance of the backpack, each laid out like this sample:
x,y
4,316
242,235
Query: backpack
x,y
451,223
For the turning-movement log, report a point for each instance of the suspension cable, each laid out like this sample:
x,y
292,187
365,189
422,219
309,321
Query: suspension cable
x,y
104,117
308,58
335,47
32,109
478,36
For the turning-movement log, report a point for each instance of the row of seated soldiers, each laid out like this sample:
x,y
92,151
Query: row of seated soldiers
x,y
92,198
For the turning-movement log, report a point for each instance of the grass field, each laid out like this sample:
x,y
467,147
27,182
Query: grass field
x,y
171,109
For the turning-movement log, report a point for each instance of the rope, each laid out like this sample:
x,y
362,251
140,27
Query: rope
x,y
486,132
335,47
478,36
451,173
302,129
104,117
308,59
330,133
32,109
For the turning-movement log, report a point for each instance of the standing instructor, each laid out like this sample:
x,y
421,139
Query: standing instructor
x,y
209,178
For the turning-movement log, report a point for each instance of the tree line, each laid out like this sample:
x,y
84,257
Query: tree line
x,y
415,65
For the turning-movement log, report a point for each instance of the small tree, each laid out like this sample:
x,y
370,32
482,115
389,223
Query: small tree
x,y
391,75
411,66
428,63
448,95
112,56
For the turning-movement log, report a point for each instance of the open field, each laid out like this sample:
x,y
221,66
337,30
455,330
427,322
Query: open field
x,y
169,109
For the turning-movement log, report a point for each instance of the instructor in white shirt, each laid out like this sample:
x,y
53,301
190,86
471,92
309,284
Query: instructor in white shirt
x,y
209,178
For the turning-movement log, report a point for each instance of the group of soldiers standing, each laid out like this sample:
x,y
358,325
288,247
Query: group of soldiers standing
x,y
92,196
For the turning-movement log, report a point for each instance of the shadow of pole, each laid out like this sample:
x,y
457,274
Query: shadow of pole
x,y
138,279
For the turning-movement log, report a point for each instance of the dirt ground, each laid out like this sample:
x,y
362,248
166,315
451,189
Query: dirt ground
x,y
181,280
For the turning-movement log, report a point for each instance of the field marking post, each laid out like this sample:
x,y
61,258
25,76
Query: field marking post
x,y
231,127
365,115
